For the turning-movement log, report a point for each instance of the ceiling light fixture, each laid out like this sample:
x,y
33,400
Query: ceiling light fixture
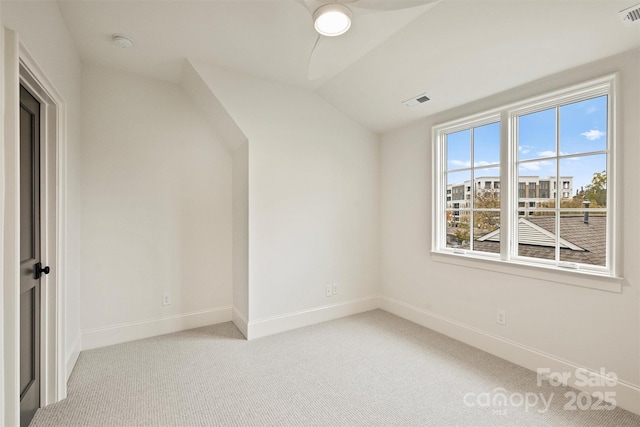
x,y
332,19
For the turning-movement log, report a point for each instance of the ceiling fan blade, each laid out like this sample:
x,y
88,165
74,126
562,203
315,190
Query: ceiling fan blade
x,y
389,4
312,5
316,67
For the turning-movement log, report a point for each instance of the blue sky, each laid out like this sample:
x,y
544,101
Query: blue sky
x,y
583,128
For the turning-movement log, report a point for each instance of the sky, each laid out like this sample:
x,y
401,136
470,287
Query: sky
x,y
583,129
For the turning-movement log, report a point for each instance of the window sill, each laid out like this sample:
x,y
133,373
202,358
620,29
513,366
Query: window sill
x,y
582,278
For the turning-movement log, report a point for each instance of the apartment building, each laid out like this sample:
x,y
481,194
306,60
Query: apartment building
x,y
532,190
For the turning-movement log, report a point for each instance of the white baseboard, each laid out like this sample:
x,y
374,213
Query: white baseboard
x,y
72,358
117,334
298,319
627,395
240,321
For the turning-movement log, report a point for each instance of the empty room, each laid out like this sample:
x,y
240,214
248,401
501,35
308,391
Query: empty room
x,y
320,213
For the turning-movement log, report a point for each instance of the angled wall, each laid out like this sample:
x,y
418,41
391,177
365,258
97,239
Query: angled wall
x,y
313,195
237,146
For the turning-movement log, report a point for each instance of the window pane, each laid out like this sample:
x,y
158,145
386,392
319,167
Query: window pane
x,y
537,134
486,231
536,235
583,126
458,189
583,237
487,188
544,188
486,144
536,184
585,179
458,233
459,150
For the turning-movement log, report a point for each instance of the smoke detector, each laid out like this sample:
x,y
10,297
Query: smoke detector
x,y
121,41
416,100
630,14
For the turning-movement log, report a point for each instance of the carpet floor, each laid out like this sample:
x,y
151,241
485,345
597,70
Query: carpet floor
x,y
370,369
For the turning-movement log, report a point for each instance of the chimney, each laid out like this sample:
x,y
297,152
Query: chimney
x,y
586,212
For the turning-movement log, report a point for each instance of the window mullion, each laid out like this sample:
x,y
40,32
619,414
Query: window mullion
x,y
472,196
440,185
507,163
558,191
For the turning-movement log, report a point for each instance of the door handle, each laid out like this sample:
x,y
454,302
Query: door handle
x,y
39,270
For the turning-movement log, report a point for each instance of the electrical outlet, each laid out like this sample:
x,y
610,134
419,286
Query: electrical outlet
x,y
335,288
501,317
328,291
166,299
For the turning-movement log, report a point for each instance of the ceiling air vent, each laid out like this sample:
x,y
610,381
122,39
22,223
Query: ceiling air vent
x,y
631,14
416,100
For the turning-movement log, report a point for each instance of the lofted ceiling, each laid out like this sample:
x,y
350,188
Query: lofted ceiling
x,y
454,50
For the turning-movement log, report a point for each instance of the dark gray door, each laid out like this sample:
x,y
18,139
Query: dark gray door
x,y
30,267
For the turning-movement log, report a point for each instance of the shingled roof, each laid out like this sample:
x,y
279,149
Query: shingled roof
x,y
579,242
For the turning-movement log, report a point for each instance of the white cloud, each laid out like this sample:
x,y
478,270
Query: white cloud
x,y
593,134
530,166
524,149
547,153
483,163
535,166
460,163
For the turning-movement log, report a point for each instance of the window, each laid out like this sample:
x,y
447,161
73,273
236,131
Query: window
x,y
544,190
558,140
473,155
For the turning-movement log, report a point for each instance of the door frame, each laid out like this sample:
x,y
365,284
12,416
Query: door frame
x,y
21,68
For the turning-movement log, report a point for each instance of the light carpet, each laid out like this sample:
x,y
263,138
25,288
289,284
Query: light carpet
x,y
371,369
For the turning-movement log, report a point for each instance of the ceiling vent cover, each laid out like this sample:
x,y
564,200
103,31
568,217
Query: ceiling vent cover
x,y
631,14
416,100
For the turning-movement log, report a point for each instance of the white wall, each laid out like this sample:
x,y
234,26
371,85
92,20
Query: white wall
x,y
586,327
241,236
43,32
313,195
2,209
156,210
236,142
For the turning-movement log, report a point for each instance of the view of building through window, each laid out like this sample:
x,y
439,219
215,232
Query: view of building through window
x,y
560,184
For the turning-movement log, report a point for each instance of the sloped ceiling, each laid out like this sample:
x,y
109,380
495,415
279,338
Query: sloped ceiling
x,y
456,51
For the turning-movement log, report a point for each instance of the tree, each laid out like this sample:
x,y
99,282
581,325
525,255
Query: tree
x,y
462,230
564,203
486,221
483,221
596,192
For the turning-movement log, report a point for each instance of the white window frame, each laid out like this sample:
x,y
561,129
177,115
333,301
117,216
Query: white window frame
x,y
606,278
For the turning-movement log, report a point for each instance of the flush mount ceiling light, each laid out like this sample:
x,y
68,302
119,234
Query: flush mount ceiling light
x,y
121,41
332,19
